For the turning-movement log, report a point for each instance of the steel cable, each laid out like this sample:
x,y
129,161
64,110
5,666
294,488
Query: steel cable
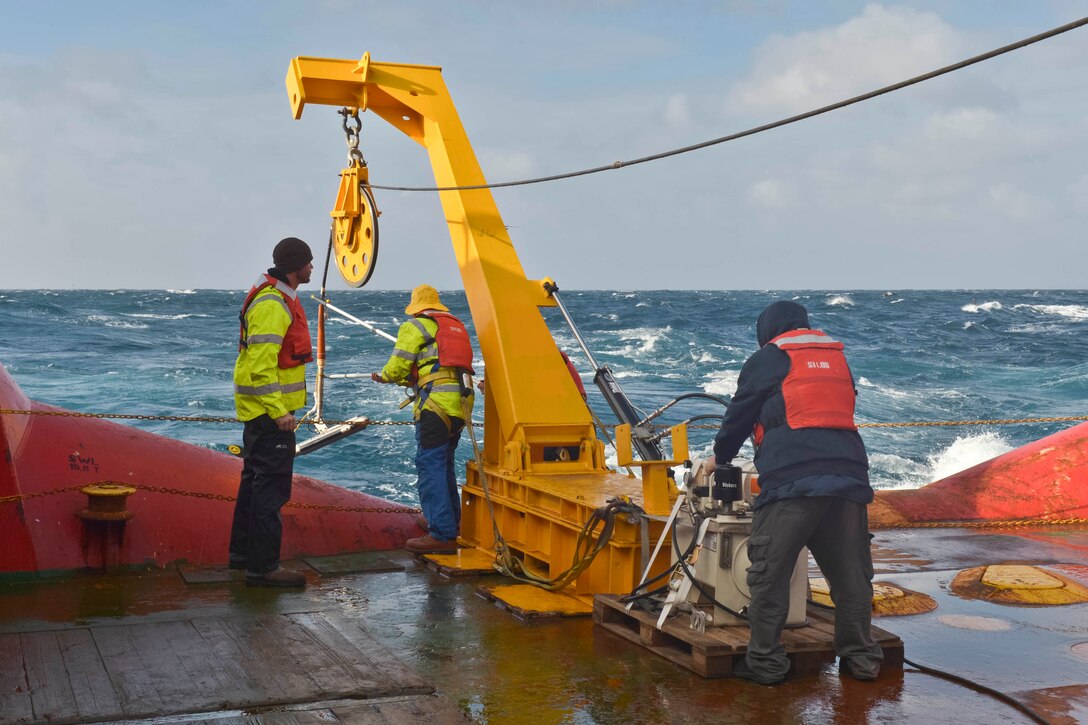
x,y
765,127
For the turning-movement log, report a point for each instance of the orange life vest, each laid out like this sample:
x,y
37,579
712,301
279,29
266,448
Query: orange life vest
x,y
454,344
296,348
818,390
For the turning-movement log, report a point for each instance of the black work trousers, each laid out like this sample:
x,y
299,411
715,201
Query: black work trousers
x,y
836,531
269,461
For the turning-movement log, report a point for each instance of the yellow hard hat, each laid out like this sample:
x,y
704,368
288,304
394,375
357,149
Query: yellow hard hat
x,y
424,297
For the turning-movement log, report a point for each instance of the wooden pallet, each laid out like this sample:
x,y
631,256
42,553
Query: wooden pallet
x,y
712,654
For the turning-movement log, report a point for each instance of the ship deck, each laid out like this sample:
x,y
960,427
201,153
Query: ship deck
x,y
381,638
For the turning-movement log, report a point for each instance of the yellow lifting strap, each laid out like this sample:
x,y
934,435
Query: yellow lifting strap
x,y
440,375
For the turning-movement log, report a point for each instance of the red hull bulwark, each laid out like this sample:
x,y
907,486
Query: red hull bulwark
x,y
1043,481
43,533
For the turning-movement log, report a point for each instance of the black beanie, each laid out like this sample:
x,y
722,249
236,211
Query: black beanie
x,y
291,254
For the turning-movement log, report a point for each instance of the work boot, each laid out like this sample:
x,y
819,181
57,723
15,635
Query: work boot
x,y
743,671
422,522
427,544
845,668
276,578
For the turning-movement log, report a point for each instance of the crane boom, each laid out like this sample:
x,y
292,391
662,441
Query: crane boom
x,y
542,457
526,377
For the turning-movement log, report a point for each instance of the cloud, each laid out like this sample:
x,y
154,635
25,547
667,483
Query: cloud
x,y
677,111
1078,190
962,124
811,69
1009,201
770,194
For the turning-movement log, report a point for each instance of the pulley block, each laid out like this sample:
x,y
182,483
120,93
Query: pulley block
x,y
355,226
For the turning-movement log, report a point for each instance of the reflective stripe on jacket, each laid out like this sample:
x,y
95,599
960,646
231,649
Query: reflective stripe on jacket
x,y
818,391
268,380
415,356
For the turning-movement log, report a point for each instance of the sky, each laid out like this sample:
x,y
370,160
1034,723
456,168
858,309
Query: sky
x,y
151,145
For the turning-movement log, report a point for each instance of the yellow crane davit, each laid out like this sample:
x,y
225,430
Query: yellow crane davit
x,y
545,467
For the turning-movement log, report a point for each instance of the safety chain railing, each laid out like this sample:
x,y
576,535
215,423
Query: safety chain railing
x,y
998,524
211,419
205,495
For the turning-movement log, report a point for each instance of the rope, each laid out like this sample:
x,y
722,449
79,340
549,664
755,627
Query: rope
x,y
765,127
998,524
999,421
210,419
208,496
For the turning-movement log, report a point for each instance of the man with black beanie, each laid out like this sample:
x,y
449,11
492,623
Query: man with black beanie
x,y
269,386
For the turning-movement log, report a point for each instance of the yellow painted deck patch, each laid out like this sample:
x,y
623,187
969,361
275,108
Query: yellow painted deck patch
x,y
1019,576
889,600
1017,584
527,600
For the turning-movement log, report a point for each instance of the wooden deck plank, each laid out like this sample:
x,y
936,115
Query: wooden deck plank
x,y
133,685
50,691
409,711
227,658
356,651
275,674
15,700
91,686
208,664
197,659
167,673
327,668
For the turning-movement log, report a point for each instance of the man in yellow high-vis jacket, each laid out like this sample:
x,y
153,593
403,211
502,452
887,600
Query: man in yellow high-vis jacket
x,y
269,386
432,352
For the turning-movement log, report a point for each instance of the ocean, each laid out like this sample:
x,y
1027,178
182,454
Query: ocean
x,y
917,355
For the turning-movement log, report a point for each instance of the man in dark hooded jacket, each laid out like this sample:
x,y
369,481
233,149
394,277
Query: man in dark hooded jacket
x,y
795,395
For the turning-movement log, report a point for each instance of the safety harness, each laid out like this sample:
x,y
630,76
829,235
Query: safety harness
x,y
450,352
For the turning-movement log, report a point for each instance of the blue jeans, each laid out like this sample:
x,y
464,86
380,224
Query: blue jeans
x,y
437,478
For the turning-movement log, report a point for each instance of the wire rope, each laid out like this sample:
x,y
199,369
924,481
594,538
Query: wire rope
x,y
765,127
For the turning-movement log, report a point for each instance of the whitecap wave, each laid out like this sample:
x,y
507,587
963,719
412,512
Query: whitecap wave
x,y
721,382
966,451
647,337
840,301
889,472
149,316
974,309
114,322
1076,312
896,302
864,382
182,291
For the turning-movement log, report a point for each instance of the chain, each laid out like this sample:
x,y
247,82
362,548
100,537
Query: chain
x,y
1009,524
118,416
997,421
36,494
209,419
351,131
209,496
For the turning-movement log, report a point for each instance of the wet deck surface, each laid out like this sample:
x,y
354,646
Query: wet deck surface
x,y
415,629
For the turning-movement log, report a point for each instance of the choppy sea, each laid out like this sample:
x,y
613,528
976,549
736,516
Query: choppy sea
x,y
917,355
